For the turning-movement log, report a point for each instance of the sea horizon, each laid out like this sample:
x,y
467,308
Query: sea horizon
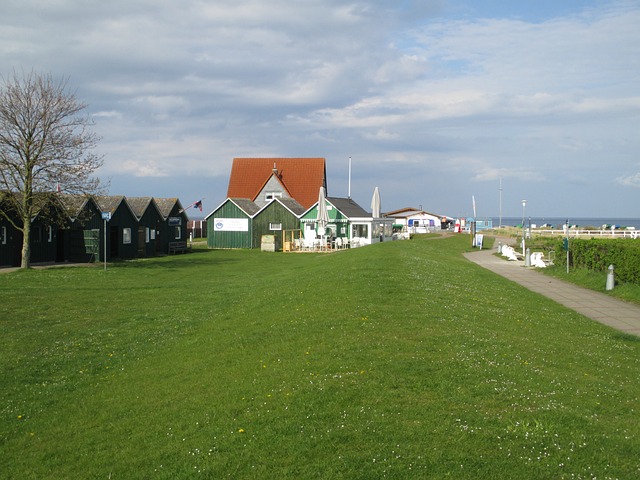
x,y
558,222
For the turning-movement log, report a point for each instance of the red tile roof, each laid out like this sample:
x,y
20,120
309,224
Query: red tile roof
x,y
302,177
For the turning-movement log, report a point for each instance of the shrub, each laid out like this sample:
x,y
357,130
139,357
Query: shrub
x,y
597,254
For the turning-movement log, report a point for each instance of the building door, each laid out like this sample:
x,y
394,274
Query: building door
x,y
17,248
160,248
142,242
61,240
114,240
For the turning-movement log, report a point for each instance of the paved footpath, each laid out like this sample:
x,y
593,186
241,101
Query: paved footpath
x,y
598,306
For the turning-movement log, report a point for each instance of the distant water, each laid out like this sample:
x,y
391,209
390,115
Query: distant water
x,y
558,222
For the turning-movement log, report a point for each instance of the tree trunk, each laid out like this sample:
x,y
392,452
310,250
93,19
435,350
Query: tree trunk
x,y
26,247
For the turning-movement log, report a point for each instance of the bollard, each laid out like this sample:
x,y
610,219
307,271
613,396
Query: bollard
x,y
611,281
500,247
527,258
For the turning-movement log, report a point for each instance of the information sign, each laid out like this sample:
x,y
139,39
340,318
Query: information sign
x,y
231,224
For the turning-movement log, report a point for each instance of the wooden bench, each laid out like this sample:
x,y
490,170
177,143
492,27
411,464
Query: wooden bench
x,y
178,247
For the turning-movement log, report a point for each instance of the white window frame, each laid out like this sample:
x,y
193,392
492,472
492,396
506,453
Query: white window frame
x,y
272,195
356,230
50,234
147,234
178,233
3,235
275,227
126,236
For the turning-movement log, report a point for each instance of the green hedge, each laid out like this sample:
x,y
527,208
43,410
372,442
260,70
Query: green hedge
x,y
597,254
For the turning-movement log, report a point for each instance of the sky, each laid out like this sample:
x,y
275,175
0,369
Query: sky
x,y
437,102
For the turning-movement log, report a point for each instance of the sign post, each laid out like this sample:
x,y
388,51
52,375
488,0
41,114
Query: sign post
x,y
106,216
565,242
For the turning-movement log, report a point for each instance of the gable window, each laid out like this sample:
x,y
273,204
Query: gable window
x,y
272,195
275,226
3,235
126,236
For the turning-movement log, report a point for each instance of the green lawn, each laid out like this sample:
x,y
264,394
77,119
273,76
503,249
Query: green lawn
x,y
398,360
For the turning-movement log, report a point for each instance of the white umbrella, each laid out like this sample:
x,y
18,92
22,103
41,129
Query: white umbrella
x,y
375,203
323,215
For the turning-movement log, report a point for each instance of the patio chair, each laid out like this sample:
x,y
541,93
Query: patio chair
x,y
308,244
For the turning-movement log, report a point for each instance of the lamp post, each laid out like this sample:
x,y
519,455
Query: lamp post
x,y
524,204
566,242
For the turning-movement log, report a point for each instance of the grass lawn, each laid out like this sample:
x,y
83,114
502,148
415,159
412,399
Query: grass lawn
x,y
398,360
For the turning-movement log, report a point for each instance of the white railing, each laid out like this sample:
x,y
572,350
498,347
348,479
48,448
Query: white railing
x,y
578,232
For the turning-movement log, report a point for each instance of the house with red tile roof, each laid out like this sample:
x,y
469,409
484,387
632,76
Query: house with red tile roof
x,y
263,179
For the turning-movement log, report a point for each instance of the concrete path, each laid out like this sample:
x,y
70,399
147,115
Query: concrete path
x,y
39,266
602,308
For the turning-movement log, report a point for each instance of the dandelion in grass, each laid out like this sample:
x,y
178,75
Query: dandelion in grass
x,y
241,430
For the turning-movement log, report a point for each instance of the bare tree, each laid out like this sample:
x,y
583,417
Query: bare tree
x,y
45,143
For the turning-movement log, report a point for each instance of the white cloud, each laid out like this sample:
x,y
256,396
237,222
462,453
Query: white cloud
x,y
630,180
180,88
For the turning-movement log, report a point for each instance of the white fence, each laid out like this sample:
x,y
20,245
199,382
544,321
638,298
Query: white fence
x,y
578,232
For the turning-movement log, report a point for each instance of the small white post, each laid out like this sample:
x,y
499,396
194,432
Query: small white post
x,y
611,281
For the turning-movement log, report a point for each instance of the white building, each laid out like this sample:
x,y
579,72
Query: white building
x,y
417,221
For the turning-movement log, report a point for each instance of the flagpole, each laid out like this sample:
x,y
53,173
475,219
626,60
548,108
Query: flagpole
x,y
349,191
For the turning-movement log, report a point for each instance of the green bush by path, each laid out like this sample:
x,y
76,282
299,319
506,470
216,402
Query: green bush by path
x,y
596,254
398,360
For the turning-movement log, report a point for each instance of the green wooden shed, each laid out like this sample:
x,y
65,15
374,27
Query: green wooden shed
x,y
274,218
82,238
174,225
122,240
45,241
150,223
340,212
10,237
230,224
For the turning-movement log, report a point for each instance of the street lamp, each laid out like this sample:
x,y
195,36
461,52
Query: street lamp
x,y
524,204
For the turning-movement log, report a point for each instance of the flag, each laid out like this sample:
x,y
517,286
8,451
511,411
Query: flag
x,y
197,204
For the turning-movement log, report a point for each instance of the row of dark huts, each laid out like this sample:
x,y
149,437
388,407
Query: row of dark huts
x,y
74,228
